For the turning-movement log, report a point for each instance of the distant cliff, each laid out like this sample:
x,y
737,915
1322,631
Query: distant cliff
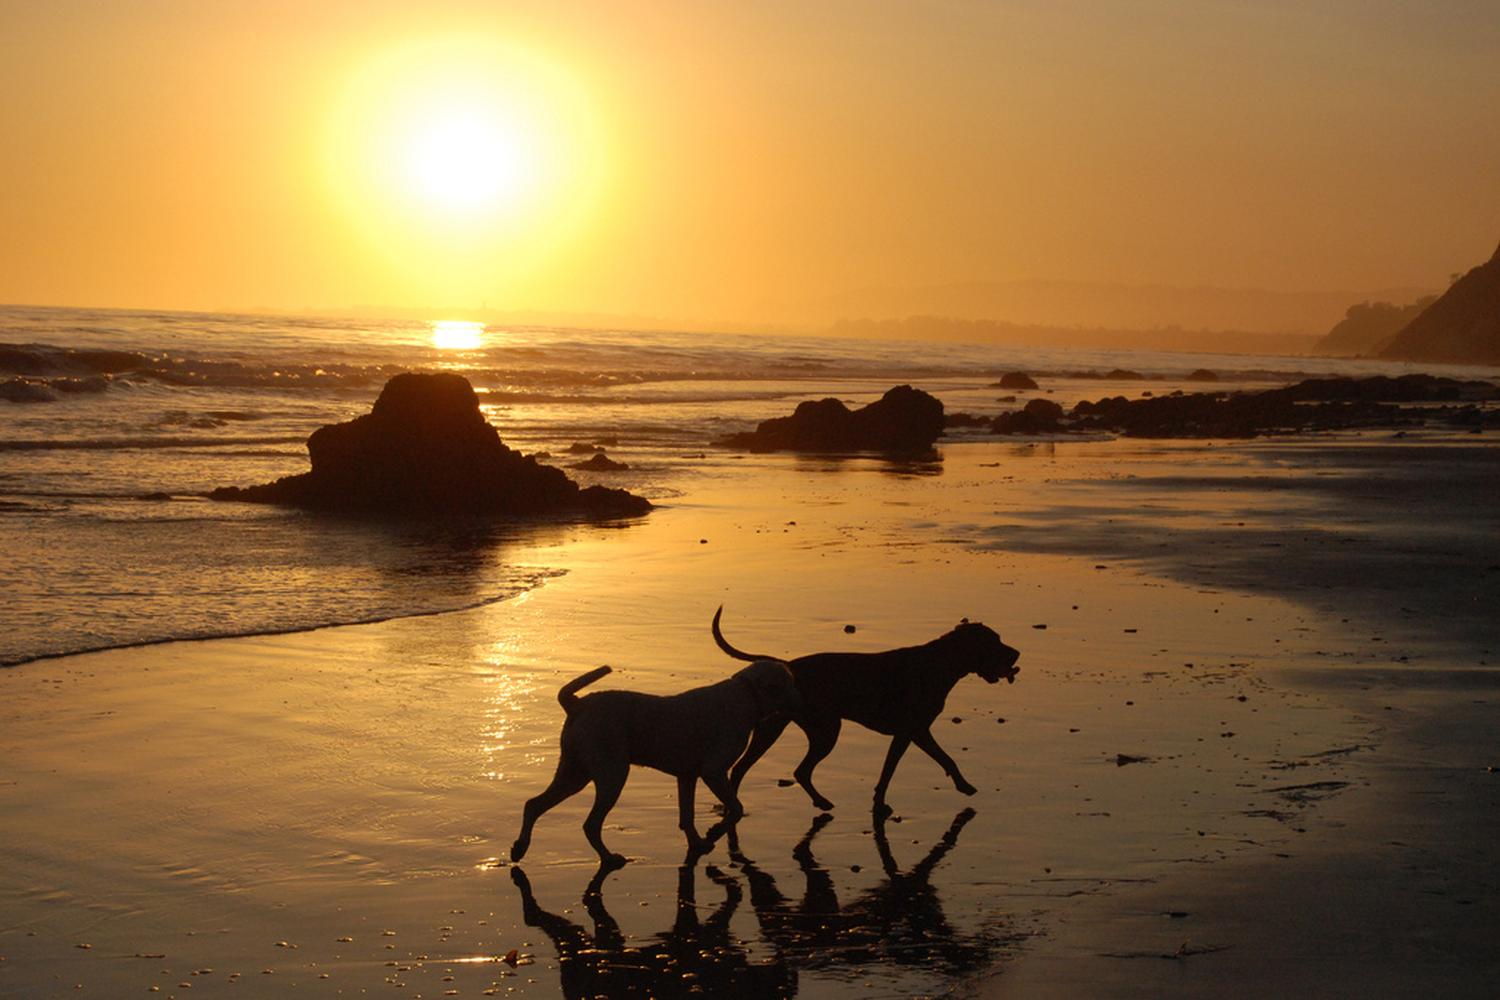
x,y
1367,327
1461,327
987,331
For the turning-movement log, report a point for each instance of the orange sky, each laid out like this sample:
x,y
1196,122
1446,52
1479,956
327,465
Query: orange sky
x,y
717,161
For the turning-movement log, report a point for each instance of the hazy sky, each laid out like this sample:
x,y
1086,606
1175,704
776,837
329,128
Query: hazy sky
x,y
728,160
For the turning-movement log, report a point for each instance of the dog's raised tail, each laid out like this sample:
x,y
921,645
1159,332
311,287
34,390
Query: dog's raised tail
x,y
567,696
726,647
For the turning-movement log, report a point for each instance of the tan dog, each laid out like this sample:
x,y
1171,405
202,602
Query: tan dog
x,y
695,734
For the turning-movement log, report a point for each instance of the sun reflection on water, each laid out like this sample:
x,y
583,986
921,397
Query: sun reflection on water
x,y
509,694
457,335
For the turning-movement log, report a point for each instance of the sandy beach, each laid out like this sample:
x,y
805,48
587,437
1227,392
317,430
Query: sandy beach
x,y
1236,761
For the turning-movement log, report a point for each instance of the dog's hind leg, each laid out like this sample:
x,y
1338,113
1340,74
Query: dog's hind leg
x,y
822,734
568,781
764,736
723,789
929,745
899,743
719,784
609,780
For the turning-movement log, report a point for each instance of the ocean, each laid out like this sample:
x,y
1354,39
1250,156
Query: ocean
x,y
114,424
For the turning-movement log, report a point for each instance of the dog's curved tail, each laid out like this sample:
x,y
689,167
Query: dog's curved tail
x,y
726,647
567,696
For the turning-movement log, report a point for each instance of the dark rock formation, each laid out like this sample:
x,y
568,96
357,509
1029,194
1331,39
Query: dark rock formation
x,y
600,463
426,449
1202,375
1316,404
1040,416
1015,380
965,420
1462,326
1384,389
904,420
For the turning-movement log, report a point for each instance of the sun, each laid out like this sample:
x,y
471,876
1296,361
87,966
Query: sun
x,y
433,141
467,159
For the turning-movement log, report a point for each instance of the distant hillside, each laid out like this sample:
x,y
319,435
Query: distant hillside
x,y
1461,327
1368,326
1088,305
985,331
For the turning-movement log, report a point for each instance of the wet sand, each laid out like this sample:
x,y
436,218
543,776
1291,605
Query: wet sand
x,y
327,812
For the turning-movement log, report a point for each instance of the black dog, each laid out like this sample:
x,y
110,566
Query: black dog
x,y
899,692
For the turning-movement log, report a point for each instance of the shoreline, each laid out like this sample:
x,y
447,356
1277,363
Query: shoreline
x,y
375,697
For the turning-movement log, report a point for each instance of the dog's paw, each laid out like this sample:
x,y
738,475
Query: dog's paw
x,y
518,850
965,787
609,862
881,810
822,803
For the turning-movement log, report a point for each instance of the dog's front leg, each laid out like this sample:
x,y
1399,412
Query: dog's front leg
x,y
687,788
929,745
899,743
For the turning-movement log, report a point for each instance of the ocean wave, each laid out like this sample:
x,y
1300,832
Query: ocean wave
x,y
138,443
13,658
30,389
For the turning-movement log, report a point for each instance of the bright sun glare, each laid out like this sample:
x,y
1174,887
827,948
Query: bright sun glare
x,y
457,335
450,133
466,158
466,163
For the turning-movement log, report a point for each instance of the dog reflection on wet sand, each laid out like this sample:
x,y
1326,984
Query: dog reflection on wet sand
x,y
698,957
899,922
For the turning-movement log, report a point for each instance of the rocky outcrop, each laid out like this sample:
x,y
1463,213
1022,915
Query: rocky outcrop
x,y
1015,380
1315,404
1040,416
600,462
1312,405
904,420
425,448
1461,327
